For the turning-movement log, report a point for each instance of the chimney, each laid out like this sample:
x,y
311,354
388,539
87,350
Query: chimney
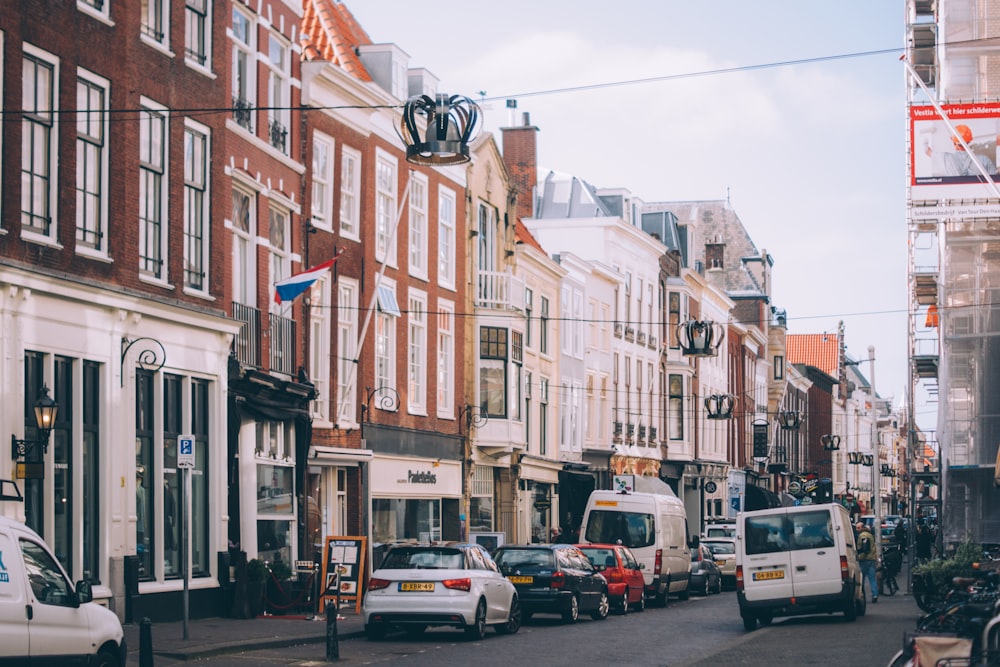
x,y
520,154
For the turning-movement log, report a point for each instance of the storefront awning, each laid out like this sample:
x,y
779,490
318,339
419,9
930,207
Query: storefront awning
x,y
338,456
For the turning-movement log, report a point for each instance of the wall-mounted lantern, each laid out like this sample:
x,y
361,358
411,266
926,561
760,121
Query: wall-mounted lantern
x,y
46,410
452,122
700,338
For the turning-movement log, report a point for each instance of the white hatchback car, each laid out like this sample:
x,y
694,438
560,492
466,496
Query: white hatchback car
x,y
724,550
448,584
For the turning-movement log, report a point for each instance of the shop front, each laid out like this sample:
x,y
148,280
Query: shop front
x,y
538,498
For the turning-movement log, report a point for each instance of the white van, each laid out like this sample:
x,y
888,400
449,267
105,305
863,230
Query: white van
x,y
797,560
654,526
43,618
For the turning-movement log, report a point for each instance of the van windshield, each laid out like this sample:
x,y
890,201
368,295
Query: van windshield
x,y
633,529
794,532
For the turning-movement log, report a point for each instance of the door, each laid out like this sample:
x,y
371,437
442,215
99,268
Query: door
x,y
767,567
13,617
57,625
815,558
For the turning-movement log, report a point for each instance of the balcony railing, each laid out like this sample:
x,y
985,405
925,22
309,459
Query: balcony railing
x,y
630,430
617,428
630,333
652,435
642,431
282,345
246,344
500,290
641,338
278,134
243,113
619,328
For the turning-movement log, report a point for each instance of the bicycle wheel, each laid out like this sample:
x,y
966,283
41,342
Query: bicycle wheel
x,y
891,586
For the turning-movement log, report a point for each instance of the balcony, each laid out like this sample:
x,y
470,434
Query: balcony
x,y
502,291
653,342
246,344
642,432
630,430
243,113
619,328
282,332
278,134
630,334
652,435
641,338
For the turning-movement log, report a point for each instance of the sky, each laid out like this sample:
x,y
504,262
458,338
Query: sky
x,y
795,111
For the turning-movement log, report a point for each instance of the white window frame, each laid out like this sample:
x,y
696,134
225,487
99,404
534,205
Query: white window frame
x,y
320,298
578,324
198,24
245,52
447,238
46,124
92,138
445,359
149,165
418,226
191,186
566,328
245,280
350,193
385,349
347,342
90,7
154,23
279,90
386,198
416,354
322,181
279,261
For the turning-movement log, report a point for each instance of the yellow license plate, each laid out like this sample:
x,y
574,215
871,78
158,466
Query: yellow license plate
x,y
521,580
720,563
417,586
770,574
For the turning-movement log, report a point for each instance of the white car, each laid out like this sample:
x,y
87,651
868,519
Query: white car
x,y
449,584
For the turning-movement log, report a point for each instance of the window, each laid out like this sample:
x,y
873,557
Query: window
x,y
200,556
39,144
417,354
517,359
779,367
196,198
674,319
145,489
577,324
275,491
154,21
527,408
385,341
565,303
446,359
279,236
319,346
96,8
487,237
91,163
418,225
529,299
446,238
493,355
152,192
91,483
350,190
48,584
322,182
543,327
278,92
347,340
385,209
244,228
676,407
196,33
243,65
543,416
173,407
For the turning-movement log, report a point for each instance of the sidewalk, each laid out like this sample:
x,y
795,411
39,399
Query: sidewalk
x,y
216,636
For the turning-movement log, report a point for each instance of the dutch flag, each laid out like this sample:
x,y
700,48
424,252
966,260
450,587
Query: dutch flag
x,y
289,288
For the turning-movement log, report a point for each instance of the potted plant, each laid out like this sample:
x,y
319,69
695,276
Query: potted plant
x,y
257,576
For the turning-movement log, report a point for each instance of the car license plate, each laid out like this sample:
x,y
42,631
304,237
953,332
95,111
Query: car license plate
x,y
522,580
769,574
416,586
720,563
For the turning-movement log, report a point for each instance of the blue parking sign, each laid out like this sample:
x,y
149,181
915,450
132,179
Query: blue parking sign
x,y
185,451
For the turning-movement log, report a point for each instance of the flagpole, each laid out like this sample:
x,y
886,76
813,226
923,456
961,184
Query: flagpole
x,y
352,372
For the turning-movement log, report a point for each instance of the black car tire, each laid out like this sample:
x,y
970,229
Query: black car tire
x,y
513,623
106,658
705,589
765,620
572,611
686,593
661,598
375,632
641,604
749,622
718,585
477,630
603,607
623,608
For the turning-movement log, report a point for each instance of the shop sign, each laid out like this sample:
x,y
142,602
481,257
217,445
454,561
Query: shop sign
x,y
543,504
421,477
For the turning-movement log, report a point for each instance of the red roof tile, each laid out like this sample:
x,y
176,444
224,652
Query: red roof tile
x,y
522,235
819,350
331,33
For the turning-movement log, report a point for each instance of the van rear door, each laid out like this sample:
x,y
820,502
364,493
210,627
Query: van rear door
x,y
13,588
814,553
767,563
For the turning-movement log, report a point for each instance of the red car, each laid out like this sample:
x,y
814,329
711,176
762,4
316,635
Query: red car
x,y
626,586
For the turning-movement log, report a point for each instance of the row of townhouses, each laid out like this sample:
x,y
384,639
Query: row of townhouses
x,y
483,345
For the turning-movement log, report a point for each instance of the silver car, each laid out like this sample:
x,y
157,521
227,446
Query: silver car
x,y
724,552
447,584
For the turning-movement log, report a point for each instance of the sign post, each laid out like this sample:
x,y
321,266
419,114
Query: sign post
x,y
185,462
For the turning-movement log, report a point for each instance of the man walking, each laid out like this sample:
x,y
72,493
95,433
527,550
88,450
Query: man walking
x,y
868,558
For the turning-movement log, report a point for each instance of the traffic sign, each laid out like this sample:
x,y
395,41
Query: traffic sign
x,y
185,451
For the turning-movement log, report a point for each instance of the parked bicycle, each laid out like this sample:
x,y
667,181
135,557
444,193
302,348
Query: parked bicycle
x,y
891,564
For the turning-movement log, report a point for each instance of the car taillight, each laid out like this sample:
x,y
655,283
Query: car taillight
x,y
658,562
558,580
375,584
458,584
739,577
615,577
844,572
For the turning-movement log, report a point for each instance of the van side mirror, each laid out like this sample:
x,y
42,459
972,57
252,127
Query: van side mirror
x,y
84,591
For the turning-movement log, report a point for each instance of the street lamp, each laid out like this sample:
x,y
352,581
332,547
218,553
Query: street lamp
x,y
452,121
831,443
720,406
700,338
790,420
46,410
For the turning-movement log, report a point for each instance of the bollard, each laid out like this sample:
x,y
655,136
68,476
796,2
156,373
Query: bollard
x,y
145,643
332,639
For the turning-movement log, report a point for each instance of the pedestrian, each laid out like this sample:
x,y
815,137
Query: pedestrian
x,y
868,558
924,540
899,533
